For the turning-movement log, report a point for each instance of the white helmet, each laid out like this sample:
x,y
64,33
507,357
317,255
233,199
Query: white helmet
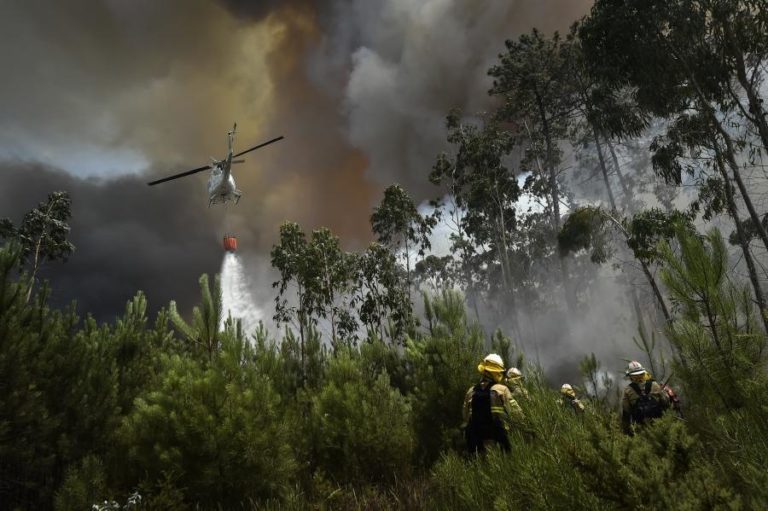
x,y
635,368
494,359
567,390
514,372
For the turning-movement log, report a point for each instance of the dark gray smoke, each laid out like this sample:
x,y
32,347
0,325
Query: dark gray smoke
x,y
126,239
105,88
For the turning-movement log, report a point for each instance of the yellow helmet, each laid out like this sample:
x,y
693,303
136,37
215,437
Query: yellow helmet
x,y
492,364
567,390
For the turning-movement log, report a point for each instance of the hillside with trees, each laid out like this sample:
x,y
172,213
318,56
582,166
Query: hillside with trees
x,y
630,150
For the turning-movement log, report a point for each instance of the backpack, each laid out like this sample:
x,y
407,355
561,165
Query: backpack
x,y
482,424
646,406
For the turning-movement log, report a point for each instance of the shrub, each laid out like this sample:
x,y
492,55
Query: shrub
x,y
361,426
215,428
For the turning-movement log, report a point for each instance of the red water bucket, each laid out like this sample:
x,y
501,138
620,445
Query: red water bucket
x,y
230,243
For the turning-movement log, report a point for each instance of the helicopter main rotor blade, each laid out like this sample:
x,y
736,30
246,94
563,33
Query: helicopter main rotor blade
x,y
257,146
176,176
238,161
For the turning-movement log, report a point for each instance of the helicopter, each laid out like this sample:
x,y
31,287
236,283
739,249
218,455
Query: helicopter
x,y
221,184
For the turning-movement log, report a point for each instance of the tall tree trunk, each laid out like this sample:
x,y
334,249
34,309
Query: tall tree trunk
x,y
646,271
733,164
730,151
753,96
741,235
656,292
619,174
302,320
554,191
407,265
604,170
38,248
331,300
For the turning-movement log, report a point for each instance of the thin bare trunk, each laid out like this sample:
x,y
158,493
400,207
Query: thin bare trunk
x,y
656,292
604,170
755,102
730,151
646,271
619,174
742,236
554,191
38,248
730,156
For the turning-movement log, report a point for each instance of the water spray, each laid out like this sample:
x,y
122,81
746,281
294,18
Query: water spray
x,y
236,298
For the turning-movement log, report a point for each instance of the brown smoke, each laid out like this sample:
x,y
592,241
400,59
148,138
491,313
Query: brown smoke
x,y
359,88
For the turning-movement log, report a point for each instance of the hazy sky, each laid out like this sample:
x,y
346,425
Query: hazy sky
x,y
100,96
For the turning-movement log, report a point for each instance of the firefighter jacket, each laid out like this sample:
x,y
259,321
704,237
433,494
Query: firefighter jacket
x,y
642,402
573,404
518,391
503,406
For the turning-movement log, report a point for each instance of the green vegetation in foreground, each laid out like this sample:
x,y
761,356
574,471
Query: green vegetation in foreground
x,y
660,106
93,412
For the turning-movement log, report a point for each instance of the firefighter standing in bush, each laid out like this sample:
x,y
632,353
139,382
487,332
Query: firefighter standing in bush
x,y
644,399
514,379
569,399
489,408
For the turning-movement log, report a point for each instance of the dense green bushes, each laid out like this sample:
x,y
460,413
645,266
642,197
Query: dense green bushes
x,y
92,412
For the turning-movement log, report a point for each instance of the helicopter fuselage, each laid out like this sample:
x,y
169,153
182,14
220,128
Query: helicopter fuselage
x,y
221,184
221,187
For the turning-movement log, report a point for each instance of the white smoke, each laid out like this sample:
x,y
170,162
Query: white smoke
x,y
237,300
409,63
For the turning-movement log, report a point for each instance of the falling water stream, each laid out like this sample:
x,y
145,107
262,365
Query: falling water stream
x,y
236,298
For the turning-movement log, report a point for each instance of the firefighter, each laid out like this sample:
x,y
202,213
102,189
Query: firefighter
x,y
568,399
514,379
674,399
490,411
643,400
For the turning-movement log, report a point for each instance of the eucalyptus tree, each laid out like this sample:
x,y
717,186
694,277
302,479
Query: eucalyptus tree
x,y
384,303
589,228
486,191
331,287
689,56
692,147
397,223
602,114
532,78
43,233
289,258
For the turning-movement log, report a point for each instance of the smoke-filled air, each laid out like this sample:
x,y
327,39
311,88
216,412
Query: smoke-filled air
x,y
383,254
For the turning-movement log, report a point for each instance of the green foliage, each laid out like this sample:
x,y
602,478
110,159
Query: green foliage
x,y
43,231
648,228
398,224
385,306
215,428
360,425
661,468
203,333
585,229
717,328
84,484
443,366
